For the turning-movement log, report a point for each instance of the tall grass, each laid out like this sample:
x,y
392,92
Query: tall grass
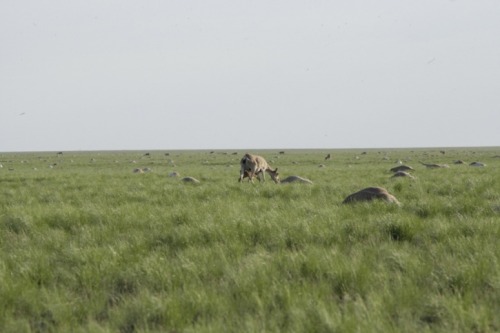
x,y
89,246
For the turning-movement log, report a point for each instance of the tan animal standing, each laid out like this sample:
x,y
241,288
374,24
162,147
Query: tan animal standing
x,y
256,165
247,175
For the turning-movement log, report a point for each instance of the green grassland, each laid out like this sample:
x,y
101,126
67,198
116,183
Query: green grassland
x,y
86,245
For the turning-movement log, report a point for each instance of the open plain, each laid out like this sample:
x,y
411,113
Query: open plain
x,y
90,244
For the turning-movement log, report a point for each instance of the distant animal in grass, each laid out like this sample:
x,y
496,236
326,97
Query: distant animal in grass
x,y
190,180
459,162
257,165
143,170
402,174
435,166
328,157
477,164
369,194
174,174
402,168
295,179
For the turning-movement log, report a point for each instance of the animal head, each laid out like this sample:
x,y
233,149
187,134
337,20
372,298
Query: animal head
x,y
275,175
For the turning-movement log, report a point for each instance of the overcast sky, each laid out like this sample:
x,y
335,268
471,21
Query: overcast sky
x,y
253,74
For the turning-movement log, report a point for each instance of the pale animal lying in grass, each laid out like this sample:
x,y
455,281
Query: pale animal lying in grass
x,y
435,166
287,180
401,168
296,179
371,193
190,180
402,174
257,165
143,170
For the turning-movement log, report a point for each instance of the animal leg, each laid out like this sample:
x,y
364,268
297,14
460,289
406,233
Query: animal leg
x,y
242,174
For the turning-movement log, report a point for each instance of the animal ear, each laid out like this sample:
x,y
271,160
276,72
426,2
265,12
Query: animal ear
x,y
276,170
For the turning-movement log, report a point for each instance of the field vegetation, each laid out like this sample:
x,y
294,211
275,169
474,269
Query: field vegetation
x,y
87,245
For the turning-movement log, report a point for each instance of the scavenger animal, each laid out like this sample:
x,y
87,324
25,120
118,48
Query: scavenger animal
x,y
371,193
247,175
257,165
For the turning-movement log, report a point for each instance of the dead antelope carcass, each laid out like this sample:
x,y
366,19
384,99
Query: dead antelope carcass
x,y
296,179
477,164
402,168
435,166
371,193
141,170
402,174
257,165
190,180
